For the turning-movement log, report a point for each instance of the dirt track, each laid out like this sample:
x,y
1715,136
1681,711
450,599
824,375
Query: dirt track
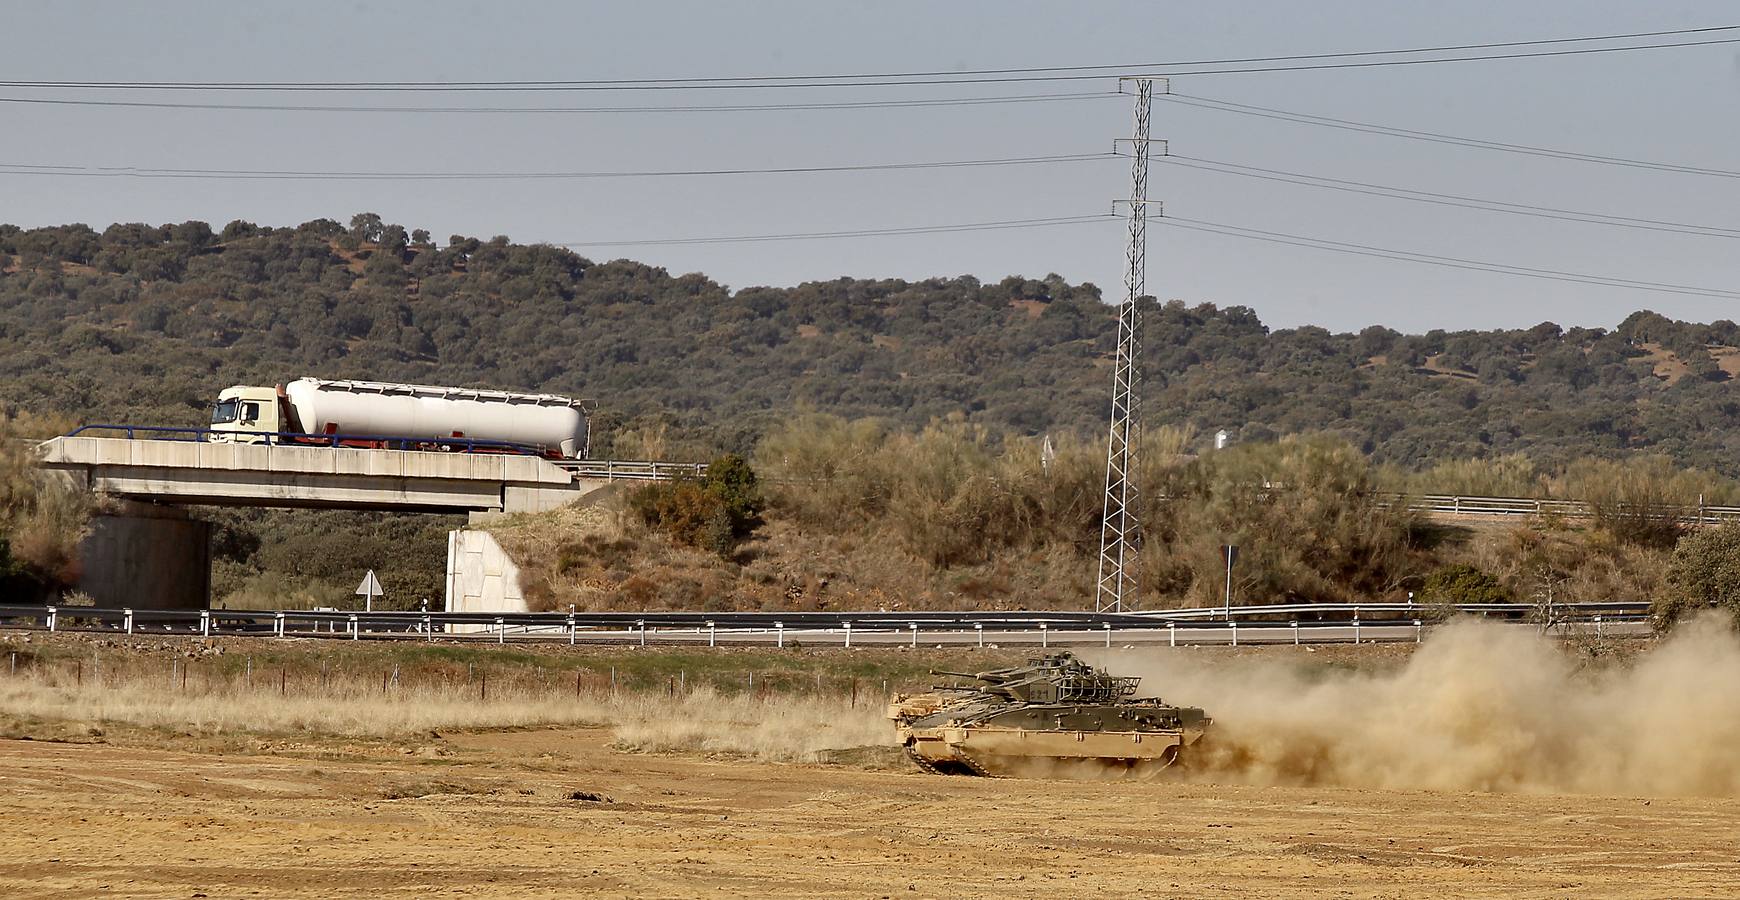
x,y
490,815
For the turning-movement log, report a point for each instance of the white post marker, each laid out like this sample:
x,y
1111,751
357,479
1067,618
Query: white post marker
x,y
1419,632
500,631
1235,632
369,590
1597,626
642,624
1171,634
54,614
1108,627
1295,625
1356,625
1042,639
914,627
355,632
278,620
779,634
848,626
711,632
129,617
204,622
979,628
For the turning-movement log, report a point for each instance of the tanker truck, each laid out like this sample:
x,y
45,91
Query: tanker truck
x,y
401,416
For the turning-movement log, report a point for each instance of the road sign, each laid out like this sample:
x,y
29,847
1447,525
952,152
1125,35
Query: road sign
x,y
369,590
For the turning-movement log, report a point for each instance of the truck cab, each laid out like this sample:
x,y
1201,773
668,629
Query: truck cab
x,y
246,415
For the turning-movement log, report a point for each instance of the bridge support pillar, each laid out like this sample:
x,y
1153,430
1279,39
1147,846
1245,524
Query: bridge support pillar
x,y
147,557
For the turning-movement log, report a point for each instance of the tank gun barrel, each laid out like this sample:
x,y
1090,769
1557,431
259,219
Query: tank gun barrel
x,y
993,677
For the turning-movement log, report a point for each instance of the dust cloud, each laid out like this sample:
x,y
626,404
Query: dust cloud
x,y
1479,707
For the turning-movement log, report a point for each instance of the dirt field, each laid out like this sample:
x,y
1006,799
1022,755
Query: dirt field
x,y
497,814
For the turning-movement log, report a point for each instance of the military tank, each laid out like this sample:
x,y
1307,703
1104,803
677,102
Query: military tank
x,y
1056,716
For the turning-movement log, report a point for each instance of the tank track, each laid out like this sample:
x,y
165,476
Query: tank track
x,y
973,764
921,762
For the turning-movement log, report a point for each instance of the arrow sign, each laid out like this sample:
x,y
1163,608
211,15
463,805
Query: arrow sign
x,y
369,590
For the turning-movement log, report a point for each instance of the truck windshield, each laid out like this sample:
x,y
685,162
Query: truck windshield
x,y
225,412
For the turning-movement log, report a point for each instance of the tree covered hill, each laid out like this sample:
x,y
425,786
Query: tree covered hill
x,y
144,323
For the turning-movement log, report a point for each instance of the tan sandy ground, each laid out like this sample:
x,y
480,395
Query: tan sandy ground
x,y
495,819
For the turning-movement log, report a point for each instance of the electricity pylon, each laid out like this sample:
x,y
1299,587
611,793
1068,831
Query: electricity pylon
x,y
1120,533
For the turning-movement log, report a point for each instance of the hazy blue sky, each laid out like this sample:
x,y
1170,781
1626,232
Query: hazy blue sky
x,y
1680,106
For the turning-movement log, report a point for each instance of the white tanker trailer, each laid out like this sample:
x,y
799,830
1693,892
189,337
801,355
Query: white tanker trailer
x,y
403,416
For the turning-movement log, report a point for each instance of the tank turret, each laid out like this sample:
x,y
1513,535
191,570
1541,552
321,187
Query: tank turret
x,y
1055,715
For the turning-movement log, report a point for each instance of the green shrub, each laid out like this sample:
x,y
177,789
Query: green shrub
x,y
1704,573
713,512
1462,583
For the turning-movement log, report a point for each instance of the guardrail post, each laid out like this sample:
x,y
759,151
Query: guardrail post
x,y
914,627
278,623
1597,626
1043,634
712,635
53,615
642,624
1356,626
848,626
573,633
1295,626
1235,632
1419,631
428,628
205,623
127,618
500,631
779,634
1171,634
979,629
355,631
1108,627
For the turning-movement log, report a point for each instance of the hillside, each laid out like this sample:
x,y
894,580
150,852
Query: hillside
x,y
144,324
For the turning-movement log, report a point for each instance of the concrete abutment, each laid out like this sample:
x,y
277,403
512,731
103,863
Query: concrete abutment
x,y
147,557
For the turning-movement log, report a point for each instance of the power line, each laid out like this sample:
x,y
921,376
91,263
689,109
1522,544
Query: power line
x,y
1292,63
588,110
1452,262
291,175
861,232
1395,193
1438,137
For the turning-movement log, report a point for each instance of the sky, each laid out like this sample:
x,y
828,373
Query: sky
x,y
1675,106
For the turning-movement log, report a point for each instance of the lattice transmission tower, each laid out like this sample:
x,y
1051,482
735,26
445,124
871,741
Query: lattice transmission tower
x,y
1120,533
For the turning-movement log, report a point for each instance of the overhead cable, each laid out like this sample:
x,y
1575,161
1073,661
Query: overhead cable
x,y
580,110
1395,193
1101,218
294,175
1291,63
1452,262
1438,137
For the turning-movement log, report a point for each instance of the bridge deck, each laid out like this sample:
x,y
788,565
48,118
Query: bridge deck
x,y
202,473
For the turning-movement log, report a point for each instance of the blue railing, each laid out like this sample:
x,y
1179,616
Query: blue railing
x,y
301,439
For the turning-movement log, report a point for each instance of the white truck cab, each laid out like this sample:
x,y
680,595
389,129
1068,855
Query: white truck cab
x,y
244,415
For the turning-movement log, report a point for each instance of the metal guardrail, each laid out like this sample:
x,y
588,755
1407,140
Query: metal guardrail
x,y
1454,504
631,470
1386,621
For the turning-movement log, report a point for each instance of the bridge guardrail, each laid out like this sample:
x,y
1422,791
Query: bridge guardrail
x,y
303,439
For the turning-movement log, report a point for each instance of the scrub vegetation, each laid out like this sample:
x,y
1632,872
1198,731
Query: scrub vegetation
x,y
899,427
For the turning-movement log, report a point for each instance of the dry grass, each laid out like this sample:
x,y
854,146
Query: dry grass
x,y
782,727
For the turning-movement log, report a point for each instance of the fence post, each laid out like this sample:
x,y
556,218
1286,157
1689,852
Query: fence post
x,y
205,623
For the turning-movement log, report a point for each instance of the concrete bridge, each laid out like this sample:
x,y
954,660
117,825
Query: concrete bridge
x,y
200,473
146,551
